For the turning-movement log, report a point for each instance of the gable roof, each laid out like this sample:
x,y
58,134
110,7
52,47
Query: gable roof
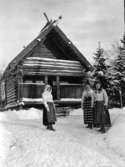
x,y
41,38
74,48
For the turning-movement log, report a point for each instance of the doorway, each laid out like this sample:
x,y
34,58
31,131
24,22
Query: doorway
x,y
53,83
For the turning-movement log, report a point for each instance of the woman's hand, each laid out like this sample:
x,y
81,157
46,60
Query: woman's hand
x,y
105,107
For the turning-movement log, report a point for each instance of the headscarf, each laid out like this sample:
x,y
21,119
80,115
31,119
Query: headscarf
x,y
47,87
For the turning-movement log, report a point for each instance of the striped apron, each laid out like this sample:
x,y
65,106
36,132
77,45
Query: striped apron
x,y
88,112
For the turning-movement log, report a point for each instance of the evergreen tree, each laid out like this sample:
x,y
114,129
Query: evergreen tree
x,y
101,68
111,73
119,68
118,74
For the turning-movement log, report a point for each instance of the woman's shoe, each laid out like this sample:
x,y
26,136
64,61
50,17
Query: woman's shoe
x,y
108,125
89,126
102,130
47,127
51,128
96,126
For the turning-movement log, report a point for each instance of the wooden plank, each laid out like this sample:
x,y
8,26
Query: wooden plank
x,y
10,91
20,88
65,73
34,65
11,100
29,83
71,84
51,63
53,69
12,105
53,73
45,66
12,94
55,60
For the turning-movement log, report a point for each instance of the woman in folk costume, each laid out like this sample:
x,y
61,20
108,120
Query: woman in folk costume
x,y
49,113
87,105
101,106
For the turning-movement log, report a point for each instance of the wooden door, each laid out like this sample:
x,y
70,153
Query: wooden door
x,y
53,83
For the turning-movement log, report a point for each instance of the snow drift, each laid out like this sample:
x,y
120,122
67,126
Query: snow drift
x,y
26,143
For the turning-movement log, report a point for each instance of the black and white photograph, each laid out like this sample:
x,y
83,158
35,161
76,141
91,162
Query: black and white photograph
x,y
62,83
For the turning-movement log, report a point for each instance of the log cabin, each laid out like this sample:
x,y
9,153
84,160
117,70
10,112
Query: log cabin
x,y
51,58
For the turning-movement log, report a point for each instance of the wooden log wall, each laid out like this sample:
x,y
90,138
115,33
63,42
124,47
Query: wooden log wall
x,y
52,66
0,95
71,91
32,90
11,91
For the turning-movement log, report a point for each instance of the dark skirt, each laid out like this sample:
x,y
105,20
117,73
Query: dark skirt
x,y
108,120
88,112
49,117
101,114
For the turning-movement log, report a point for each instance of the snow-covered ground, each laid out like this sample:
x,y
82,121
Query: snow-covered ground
x,y
24,141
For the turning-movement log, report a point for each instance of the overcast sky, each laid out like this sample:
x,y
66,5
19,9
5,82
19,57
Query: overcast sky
x,y
85,22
